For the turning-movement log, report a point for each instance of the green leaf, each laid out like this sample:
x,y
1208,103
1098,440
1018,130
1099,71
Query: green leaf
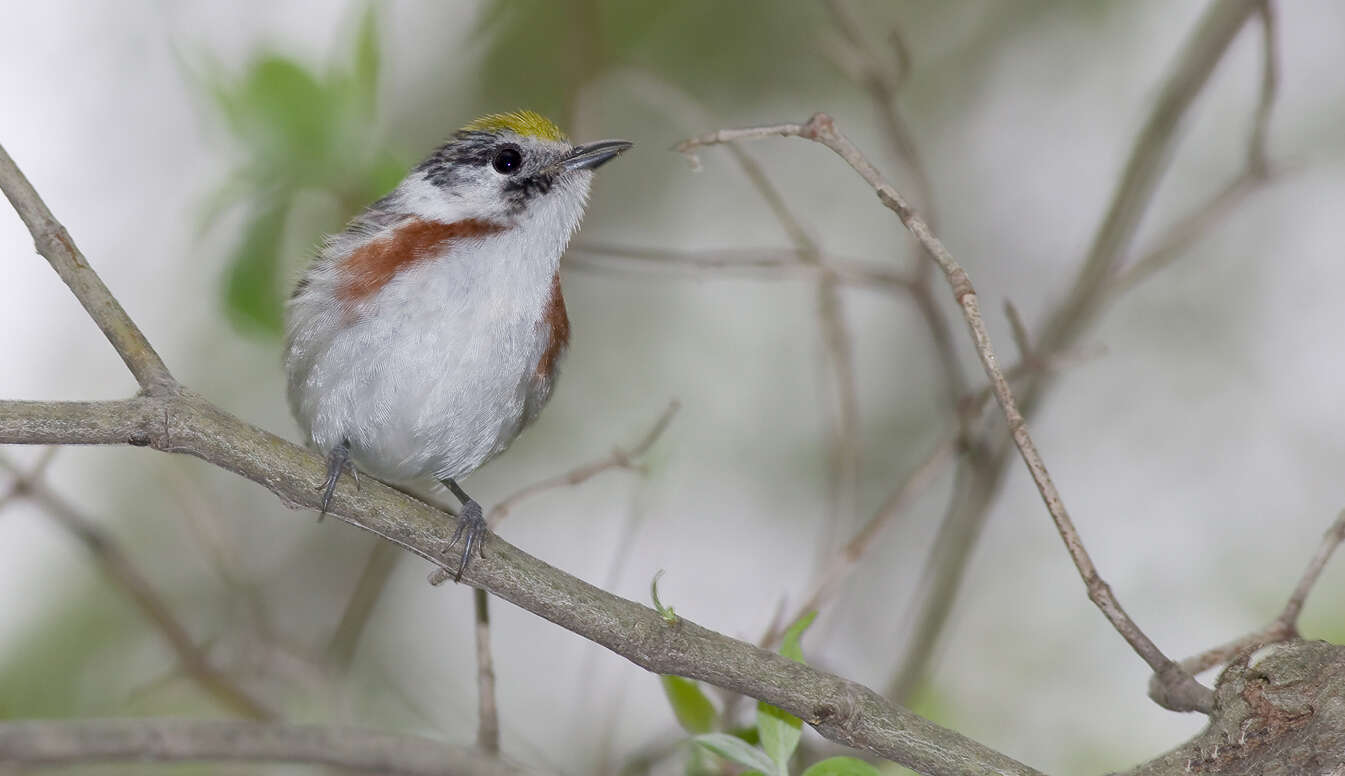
x,y
287,118
748,734
780,732
694,711
841,766
735,749
252,293
789,644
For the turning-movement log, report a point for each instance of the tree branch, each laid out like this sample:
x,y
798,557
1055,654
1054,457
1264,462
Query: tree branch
x,y
1184,693
117,566
54,243
61,742
841,710
619,458
1285,626
1148,158
488,712
178,421
1204,48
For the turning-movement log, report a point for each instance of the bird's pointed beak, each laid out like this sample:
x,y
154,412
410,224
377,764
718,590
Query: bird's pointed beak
x,y
590,156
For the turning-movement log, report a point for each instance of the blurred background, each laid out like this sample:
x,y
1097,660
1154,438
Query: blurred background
x,y
196,151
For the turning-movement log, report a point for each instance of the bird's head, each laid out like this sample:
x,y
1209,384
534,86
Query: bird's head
x,y
508,168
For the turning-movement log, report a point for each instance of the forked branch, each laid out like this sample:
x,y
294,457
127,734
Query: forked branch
x,y
1182,692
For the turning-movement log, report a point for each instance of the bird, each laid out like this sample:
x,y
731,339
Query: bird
x,y
427,334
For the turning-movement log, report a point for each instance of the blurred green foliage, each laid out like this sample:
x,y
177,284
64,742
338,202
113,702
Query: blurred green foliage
x,y
299,131
51,671
765,750
542,52
303,131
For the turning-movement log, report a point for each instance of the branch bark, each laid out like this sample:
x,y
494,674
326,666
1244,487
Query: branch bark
x,y
839,709
54,243
61,742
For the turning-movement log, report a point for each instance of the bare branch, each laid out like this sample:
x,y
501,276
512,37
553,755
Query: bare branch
x,y
62,742
1204,48
1285,626
769,262
378,570
1021,338
118,567
1179,238
844,711
1258,156
1184,692
848,558
618,459
488,713
54,243
1152,148
882,89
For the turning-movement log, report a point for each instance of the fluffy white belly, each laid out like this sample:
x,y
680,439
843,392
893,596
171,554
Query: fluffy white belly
x,y
436,376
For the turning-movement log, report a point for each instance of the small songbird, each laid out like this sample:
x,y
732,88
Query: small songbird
x,y
425,336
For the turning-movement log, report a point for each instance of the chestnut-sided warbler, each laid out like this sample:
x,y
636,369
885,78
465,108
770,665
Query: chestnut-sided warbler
x,y
425,336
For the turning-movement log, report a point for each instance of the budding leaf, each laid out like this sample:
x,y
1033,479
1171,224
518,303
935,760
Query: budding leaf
x,y
694,711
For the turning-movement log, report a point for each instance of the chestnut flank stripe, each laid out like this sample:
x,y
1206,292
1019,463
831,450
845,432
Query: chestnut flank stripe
x,y
555,326
370,268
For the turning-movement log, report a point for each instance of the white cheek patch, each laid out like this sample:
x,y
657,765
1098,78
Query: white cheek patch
x,y
417,196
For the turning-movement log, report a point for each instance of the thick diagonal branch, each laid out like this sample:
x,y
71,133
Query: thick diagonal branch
x,y
839,709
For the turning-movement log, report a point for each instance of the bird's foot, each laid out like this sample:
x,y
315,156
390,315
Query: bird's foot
x,y
471,531
337,461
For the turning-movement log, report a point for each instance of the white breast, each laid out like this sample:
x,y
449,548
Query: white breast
x,y
434,373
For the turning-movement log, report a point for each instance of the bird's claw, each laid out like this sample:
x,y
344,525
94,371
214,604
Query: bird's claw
x,y
337,461
472,530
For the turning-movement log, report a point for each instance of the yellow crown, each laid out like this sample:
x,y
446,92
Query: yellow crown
x,y
523,122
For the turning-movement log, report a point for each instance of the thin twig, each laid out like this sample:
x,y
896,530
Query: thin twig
x,y
488,713
69,742
1258,154
1093,287
882,84
766,262
118,567
1184,692
359,609
847,559
619,458
1021,339
54,243
1148,159
1285,626
1184,233
837,348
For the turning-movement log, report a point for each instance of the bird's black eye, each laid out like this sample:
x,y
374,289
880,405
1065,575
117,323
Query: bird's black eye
x,y
507,160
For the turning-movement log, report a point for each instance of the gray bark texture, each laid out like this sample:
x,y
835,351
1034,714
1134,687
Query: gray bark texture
x,y
1283,715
